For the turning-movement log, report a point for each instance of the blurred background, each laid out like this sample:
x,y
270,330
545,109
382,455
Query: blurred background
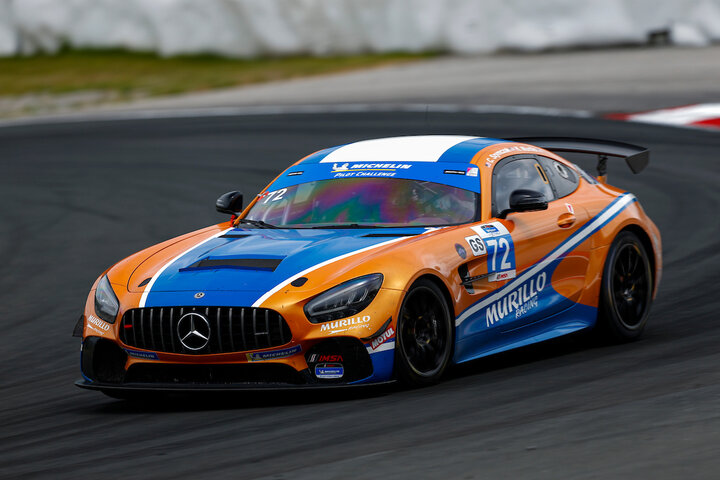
x,y
121,122
607,56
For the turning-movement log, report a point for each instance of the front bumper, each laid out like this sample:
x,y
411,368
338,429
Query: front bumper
x,y
107,365
140,352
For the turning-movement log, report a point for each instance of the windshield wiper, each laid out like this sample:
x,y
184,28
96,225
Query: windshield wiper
x,y
256,223
344,225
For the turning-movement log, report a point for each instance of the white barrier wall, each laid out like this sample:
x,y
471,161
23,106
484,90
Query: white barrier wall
x,y
249,28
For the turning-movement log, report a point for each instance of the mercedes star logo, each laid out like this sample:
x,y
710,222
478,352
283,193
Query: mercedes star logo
x,y
193,331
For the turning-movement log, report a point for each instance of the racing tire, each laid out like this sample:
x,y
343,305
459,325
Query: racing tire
x,y
425,336
626,290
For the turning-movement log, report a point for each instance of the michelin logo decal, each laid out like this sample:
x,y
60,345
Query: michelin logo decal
x,y
345,170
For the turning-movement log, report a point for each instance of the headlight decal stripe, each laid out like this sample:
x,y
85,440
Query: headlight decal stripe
x,y
284,283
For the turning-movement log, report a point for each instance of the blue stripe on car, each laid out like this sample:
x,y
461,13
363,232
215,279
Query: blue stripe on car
x,y
464,152
302,249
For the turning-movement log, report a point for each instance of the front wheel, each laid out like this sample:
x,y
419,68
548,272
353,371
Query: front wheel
x,y
425,335
626,293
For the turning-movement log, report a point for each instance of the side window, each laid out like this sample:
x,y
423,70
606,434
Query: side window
x,y
562,177
514,174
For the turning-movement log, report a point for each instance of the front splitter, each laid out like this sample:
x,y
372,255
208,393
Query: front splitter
x,y
180,388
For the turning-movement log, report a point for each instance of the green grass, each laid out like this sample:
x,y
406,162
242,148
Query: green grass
x,y
130,74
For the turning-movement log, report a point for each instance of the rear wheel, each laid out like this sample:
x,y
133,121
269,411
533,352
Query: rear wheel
x,y
424,335
626,293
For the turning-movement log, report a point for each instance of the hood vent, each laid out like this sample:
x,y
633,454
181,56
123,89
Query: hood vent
x,y
268,264
234,235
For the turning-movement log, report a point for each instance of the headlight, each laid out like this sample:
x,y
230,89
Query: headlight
x,y
106,303
345,300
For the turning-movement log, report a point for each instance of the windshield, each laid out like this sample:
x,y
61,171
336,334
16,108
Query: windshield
x,y
365,202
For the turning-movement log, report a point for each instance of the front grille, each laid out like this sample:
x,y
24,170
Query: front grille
x,y
229,329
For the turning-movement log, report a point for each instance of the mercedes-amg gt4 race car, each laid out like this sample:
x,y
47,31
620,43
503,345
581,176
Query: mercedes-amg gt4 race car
x,y
380,260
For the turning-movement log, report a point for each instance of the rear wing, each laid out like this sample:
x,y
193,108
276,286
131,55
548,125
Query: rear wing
x,y
636,157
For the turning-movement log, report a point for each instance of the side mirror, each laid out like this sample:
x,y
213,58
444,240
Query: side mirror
x,y
525,201
230,203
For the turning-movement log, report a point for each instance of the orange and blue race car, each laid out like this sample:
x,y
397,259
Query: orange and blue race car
x,y
381,260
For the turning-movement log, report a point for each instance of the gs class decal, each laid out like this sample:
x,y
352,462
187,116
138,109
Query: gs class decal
x,y
494,240
476,245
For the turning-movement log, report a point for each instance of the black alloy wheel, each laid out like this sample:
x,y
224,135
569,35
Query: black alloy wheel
x,y
627,288
425,335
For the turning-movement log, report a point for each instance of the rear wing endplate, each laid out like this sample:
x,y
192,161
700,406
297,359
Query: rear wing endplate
x,y
636,157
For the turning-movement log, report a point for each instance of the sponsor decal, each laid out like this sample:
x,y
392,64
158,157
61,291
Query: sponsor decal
x,y
497,277
273,354
500,250
329,370
455,172
345,325
461,251
143,355
385,336
517,302
95,329
491,229
494,157
570,208
476,245
99,323
472,172
320,357
345,170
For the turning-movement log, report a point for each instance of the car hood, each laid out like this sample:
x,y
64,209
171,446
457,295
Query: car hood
x,y
252,260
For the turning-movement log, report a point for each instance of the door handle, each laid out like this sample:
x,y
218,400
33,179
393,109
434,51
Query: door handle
x,y
566,220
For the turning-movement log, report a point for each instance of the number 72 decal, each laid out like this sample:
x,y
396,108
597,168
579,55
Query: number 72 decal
x,y
500,250
273,196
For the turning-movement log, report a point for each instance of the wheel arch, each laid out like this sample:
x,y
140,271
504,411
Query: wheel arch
x,y
646,243
441,285
450,304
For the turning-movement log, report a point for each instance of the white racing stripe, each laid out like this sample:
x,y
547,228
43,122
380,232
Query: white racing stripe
x,y
421,148
145,293
569,244
270,292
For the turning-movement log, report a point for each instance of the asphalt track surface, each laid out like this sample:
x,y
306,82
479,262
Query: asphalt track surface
x,y
78,197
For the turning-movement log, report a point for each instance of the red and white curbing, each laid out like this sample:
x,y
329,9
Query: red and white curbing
x,y
703,115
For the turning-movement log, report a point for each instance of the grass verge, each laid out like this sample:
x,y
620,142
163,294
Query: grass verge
x,y
127,74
